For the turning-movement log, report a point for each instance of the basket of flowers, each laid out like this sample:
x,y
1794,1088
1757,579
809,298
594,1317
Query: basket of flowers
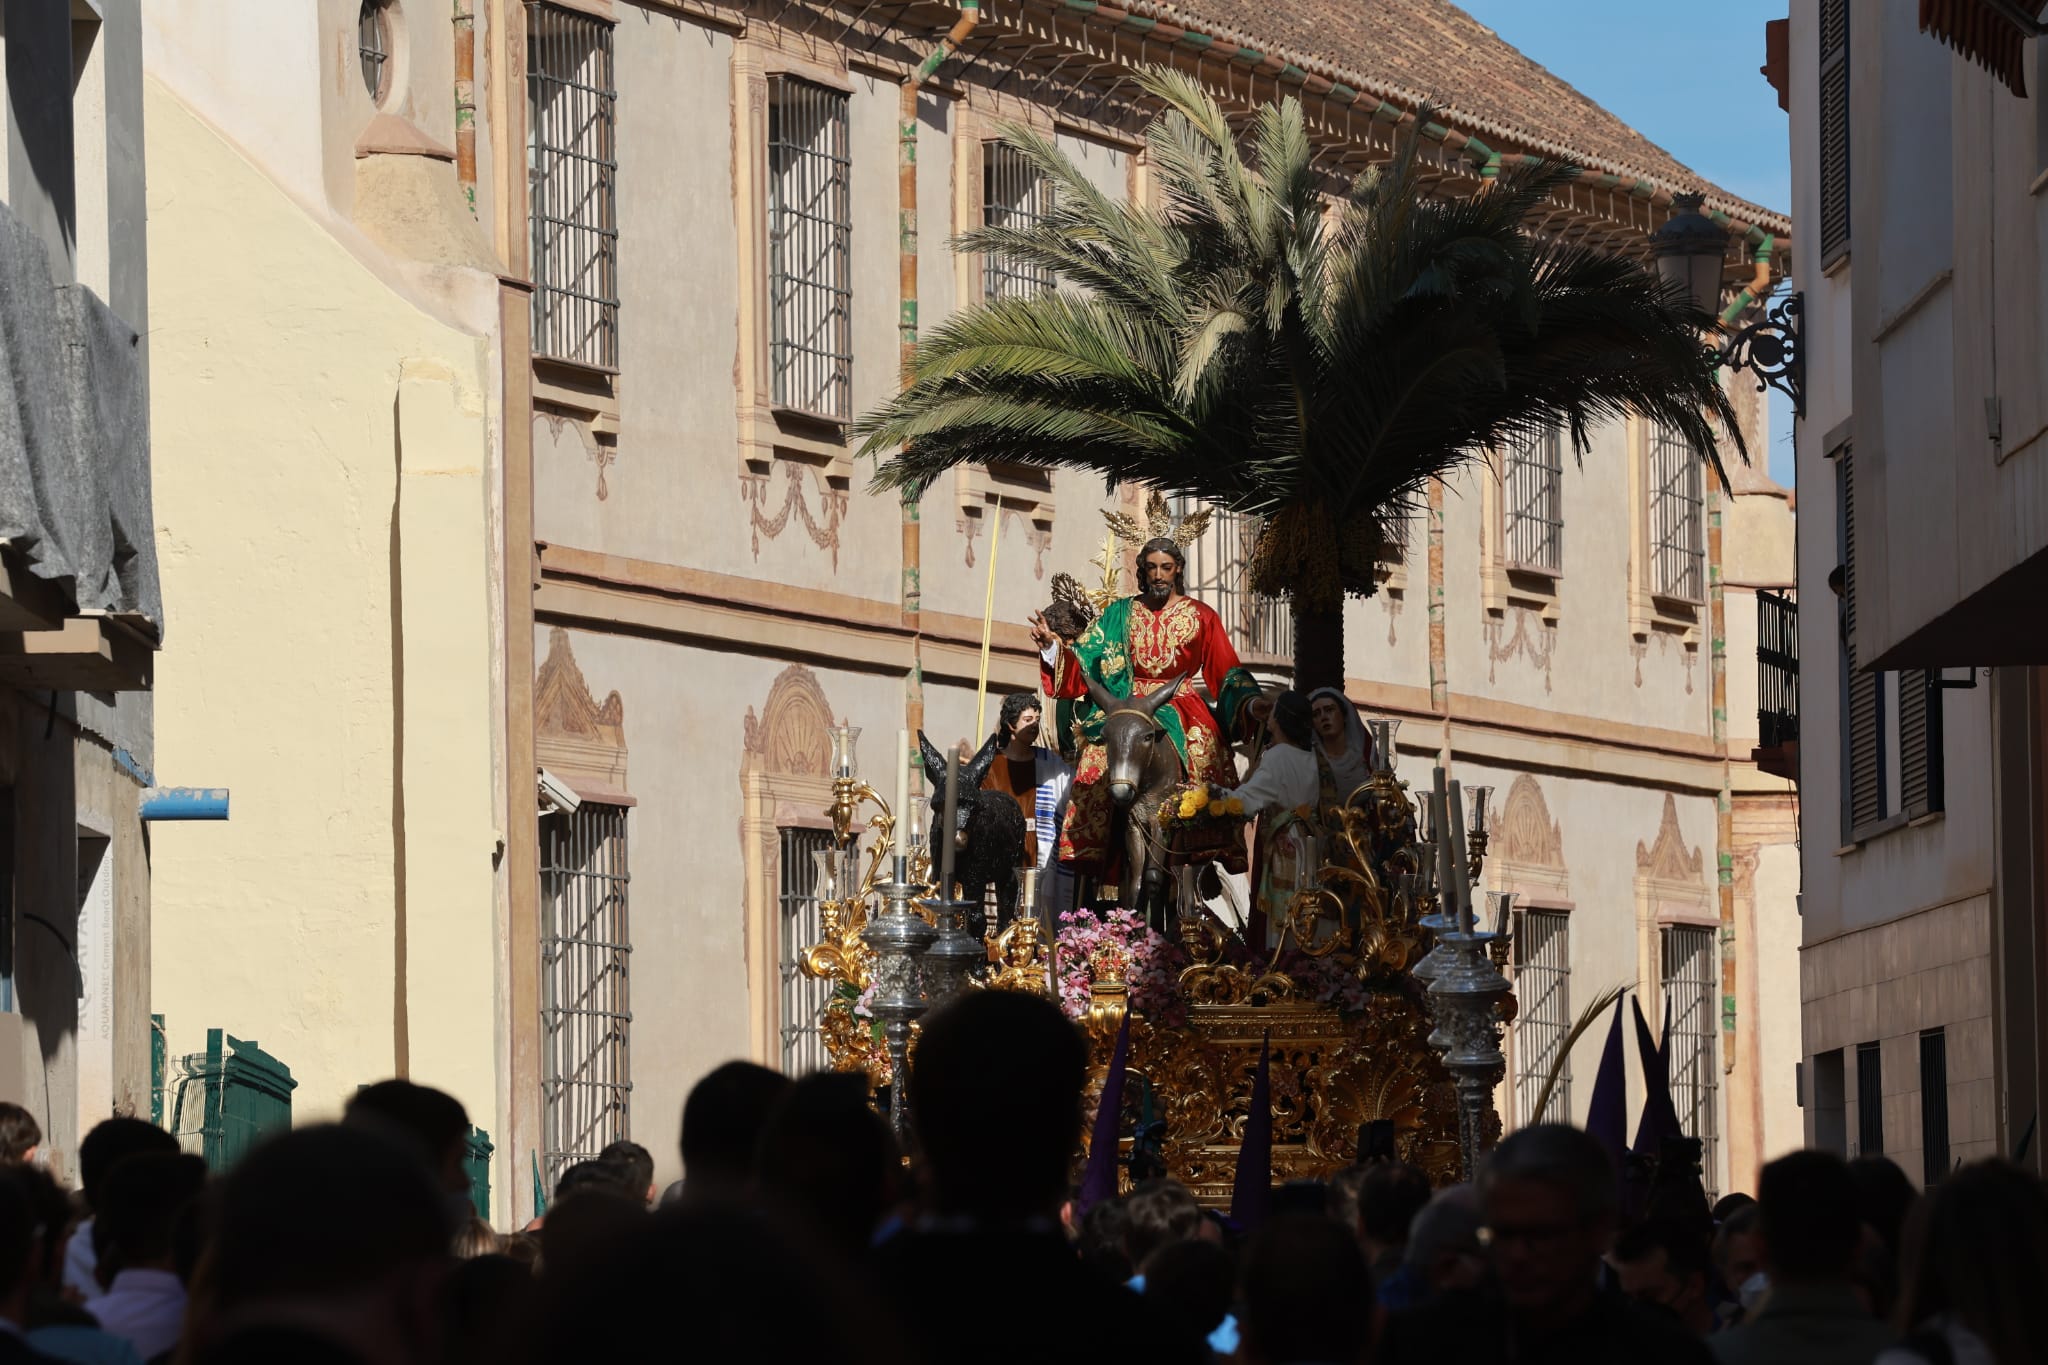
x,y
1198,822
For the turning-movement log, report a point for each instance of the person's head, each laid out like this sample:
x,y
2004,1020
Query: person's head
x,y
1326,710
1161,1212
1739,1246
1976,1248
368,1278
1883,1197
431,1120
20,1134
1728,1205
635,1165
828,1157
1191,1283
477,1238
1444,1250
1302,1285
1663,1263
108,1143
1020,717
1160,566
1289,722
141,1202
55,1217
1340,1195
1549,1195
598,1174
488,1303
1808,1217
722,1123
1101,1237
1394,1192
996,1101
583,1222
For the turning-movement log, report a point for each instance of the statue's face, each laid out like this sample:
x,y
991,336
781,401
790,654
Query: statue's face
x,y
1026,729
1328,717
1156,576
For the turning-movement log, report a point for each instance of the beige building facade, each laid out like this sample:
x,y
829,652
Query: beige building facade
x,y
1924,501
606,605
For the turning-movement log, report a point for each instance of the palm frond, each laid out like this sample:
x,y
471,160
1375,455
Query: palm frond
x,y
1588,1017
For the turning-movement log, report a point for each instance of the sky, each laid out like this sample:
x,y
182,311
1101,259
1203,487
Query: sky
x,y
1683,75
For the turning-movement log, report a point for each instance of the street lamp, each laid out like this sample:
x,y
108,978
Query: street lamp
x,y
1689,250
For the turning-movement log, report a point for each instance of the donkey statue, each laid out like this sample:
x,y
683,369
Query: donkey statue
x,y
988,845
1143,768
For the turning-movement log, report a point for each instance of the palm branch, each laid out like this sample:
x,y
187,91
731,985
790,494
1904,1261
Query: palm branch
x,y
1588,1017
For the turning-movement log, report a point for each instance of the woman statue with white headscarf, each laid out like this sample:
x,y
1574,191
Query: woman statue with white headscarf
x,y
1343,749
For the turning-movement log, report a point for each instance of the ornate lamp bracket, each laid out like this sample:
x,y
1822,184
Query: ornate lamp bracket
x,y
1769,349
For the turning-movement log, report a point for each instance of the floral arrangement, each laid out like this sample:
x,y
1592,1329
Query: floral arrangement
x,y
1199,806
1152,964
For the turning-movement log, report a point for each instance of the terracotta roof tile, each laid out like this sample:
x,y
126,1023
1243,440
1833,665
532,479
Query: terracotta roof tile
x,y
1418,51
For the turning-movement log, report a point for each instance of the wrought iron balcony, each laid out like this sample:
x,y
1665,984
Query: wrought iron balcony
x,y
1777,685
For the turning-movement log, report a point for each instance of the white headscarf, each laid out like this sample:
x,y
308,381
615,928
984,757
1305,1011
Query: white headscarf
x,y
1351,769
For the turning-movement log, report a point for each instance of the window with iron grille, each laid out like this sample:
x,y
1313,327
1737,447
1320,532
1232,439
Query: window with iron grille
x,y
1933,1106
1834,128
1219,573
810,232
803,997
1543,979
1870,1099
1014,195
585,944
1692,989
1678,541
1534,485
373,45
572,179
1777,669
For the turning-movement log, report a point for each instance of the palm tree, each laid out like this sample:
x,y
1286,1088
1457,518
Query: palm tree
x,y
1253,345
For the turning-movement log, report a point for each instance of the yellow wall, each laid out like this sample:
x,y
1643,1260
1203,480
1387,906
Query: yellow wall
x,y
321,446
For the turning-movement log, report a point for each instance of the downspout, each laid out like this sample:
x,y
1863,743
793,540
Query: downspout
x,y
1760,284
465,100
906,327
1724,801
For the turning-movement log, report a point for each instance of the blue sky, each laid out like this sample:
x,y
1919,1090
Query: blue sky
x,y
1683,75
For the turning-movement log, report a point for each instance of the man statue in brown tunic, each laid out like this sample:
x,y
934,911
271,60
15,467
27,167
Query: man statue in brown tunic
x,y
1037,779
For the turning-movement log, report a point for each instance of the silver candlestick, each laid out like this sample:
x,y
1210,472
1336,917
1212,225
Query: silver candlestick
x,y
1464,997
899,937
954,953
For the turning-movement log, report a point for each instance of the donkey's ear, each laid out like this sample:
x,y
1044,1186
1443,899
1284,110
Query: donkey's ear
x,y
977,767
1105,700
1159,696
934,761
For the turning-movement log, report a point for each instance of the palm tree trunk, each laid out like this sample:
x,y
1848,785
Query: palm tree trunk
x,y
1318,645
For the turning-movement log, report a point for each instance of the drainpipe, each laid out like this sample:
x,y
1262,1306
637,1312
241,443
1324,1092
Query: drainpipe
x,y
465,100
1724,801
906,326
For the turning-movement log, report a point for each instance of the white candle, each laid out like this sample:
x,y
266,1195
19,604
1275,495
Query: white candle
x,y
902,811
1460,861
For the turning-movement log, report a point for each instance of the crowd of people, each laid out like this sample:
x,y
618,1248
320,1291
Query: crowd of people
x,y
799,1230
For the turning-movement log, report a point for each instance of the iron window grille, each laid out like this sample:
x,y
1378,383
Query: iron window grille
x,y
1219,572
803,998
1535,503
1691,986
1933,1106
810,231
1870,1099
1678,543
586,1015
373,45
1777,670
1016,196
1543,977
572,178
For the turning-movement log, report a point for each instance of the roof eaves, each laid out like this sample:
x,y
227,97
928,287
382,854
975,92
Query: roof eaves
x,y
1392,103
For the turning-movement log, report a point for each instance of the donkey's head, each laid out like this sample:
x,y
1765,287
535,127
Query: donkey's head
x,y
1139,751
972,772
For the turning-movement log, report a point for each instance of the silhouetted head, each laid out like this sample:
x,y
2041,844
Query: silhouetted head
x,y
429,1119
997,1104
1809,1218
109,1141
722,1123
1302,1284
828,1157
1549,1194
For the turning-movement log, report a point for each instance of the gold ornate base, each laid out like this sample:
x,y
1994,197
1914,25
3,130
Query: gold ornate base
x,y
1329,1075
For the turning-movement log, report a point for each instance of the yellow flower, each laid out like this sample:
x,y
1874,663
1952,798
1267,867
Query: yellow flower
x,y
1165,814
1187,805
1234,806
1215,808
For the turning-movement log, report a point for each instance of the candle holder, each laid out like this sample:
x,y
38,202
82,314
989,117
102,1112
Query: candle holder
x,y
1464,998
898,938
950,960
1475,838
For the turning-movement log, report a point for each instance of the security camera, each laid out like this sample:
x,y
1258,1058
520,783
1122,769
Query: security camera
x,y
557,793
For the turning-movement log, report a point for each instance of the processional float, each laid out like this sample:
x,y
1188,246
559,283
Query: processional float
x,y
1383,999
